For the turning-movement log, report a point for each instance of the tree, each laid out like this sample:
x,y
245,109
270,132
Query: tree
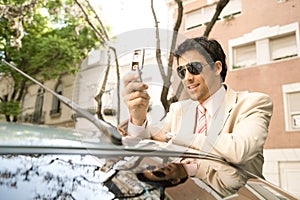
x,y
45,39
167,77
103,37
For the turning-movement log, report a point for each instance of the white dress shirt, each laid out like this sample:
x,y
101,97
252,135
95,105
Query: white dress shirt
x,y
212,105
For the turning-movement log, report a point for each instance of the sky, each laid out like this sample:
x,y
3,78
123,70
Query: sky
x,y
129,20
127,15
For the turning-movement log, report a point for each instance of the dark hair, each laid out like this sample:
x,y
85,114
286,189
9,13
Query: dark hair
x,y
209,48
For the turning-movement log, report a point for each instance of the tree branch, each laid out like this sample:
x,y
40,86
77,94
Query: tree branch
x,y
158,50
98,33
165,90
103,29
220,6
171,58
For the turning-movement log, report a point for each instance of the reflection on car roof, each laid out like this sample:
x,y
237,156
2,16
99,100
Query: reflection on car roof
x,y
27,134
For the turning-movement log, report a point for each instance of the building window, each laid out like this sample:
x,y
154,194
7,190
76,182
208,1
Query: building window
x,y
56,104
264,45
38,108
283,47
26,107
291,96
193,19
244,56
204,15
234,7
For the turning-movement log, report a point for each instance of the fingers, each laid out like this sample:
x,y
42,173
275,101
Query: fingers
x,y
137,103
136,98
131,77
134,89
134,86
134,93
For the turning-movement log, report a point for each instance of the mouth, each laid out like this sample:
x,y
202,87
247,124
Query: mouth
x,y
193,86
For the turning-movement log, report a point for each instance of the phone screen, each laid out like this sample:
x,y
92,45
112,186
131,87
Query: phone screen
x,y
138,59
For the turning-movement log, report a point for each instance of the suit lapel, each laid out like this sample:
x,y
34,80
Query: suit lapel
x,y
219,122
186,136
187,125
223,113
230,100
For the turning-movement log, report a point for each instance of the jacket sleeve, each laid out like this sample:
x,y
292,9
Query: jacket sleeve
x,y
156,131
223,178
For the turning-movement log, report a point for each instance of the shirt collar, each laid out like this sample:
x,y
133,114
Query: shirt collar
x,y
213,103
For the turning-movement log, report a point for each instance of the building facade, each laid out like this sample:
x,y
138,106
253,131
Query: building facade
x,y
262,44
41,107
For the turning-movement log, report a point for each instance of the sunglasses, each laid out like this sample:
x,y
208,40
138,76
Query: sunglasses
x,y
194,68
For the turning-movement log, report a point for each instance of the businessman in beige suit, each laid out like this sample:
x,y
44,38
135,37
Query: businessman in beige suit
x,y
216,119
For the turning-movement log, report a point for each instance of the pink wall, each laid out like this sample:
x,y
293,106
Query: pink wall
x,y
269,79
264,78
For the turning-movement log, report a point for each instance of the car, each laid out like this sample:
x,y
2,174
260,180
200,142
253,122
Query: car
x,y
43,162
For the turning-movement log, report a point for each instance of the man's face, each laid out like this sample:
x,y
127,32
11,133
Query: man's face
x,y
201,86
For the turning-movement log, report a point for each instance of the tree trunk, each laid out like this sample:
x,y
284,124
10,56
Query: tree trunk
x,y
167,77
171,56
118,84
98,98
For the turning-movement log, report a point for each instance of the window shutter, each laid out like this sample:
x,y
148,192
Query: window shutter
x,y
245,55
283,47
294,109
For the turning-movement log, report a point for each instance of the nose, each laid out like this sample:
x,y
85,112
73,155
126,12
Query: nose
x,y
188,75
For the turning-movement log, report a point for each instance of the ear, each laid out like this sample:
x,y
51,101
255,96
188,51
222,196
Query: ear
x,y
218,65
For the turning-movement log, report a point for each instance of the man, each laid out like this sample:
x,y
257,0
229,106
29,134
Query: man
x,y
216,119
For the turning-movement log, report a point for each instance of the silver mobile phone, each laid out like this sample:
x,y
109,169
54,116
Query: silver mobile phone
x,y
138,61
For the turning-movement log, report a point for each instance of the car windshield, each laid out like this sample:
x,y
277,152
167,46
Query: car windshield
x,y
43,162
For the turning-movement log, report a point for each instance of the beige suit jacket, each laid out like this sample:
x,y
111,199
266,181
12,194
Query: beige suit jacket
x,y
238,133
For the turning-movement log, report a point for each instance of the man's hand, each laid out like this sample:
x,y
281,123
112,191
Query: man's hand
x,y
136,98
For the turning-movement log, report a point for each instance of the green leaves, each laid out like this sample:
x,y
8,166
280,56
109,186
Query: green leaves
x,y
53,38
10,108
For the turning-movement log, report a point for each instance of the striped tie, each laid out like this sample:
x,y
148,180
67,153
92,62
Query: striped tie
x,y
202,124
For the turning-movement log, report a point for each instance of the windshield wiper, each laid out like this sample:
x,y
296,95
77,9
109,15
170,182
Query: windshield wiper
x,y
108,129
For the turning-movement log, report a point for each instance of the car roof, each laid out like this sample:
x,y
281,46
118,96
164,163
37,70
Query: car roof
x,y
16,138
42,135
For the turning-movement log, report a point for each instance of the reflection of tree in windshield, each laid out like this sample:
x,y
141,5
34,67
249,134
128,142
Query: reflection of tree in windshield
x,y
70,177
53,177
